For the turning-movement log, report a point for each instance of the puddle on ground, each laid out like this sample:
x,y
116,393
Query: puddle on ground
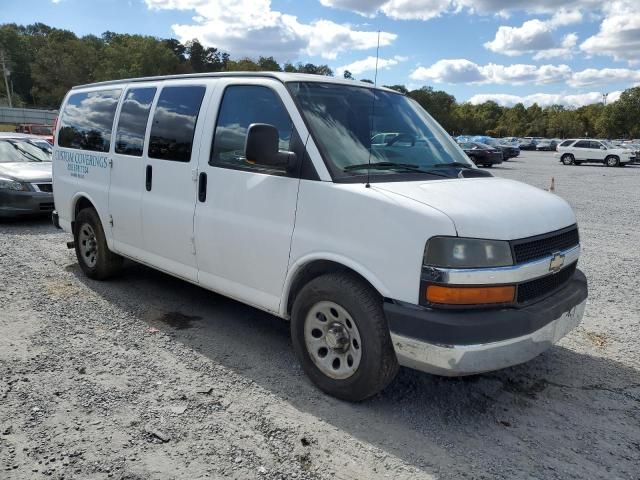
x,y
178,320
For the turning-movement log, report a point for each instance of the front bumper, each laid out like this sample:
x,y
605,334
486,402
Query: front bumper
x,y
466,342
20,203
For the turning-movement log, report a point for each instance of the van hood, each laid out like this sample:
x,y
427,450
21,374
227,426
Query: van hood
x,y
492,208
27,171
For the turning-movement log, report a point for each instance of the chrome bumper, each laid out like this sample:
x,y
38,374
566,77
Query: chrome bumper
x,y
459,360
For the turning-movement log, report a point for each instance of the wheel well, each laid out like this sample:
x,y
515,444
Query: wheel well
x,y
81,204
313,270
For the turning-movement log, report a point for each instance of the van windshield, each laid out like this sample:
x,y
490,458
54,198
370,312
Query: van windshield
x,y
391,132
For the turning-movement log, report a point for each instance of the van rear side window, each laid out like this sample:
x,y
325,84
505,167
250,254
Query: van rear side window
x,y
174,123
132,123
86,122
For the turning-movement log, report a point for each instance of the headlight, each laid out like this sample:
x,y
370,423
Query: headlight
x,y
455,252
8,184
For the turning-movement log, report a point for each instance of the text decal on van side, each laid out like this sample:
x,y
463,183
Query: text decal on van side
x,y
79,163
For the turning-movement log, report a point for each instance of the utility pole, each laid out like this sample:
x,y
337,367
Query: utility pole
x,y
5,74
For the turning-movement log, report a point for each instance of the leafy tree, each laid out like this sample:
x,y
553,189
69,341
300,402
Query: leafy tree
x,y
347,75
398,88
269,64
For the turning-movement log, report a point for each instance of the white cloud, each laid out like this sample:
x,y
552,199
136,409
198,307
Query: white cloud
x,y
466,71
369,64
545,99
603,76
536,36
252,28
458,70
363,7
461,70
427,9
415,9
619,35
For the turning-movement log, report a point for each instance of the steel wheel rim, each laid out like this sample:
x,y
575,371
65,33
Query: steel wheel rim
x,y
88,245
611,162
333,340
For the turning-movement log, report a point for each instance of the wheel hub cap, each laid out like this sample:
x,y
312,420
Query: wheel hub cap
x,y
337,337
88,245
333,340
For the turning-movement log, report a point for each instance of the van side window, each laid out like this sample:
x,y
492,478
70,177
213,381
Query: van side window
x,y
566,143
241,106
87,120
132,123
583,144
174,123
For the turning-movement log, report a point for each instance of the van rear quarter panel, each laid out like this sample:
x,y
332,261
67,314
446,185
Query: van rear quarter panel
x,y
378,234
80,173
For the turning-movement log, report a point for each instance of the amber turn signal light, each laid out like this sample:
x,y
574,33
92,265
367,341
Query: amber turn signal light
x,y
469,295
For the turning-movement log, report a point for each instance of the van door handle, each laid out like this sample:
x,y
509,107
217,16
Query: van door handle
x,y
149,178
202,187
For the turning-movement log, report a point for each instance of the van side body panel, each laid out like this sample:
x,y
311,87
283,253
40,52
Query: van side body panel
x,y
380,235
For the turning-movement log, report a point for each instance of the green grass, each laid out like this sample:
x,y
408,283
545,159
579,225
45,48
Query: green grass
x,y
7,127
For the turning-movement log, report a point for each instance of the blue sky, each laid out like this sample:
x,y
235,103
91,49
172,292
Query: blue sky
x,y
549,51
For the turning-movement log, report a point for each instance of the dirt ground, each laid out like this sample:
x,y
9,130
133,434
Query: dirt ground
x,y
146,376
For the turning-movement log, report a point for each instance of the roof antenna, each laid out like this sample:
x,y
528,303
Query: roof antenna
x,y
373,110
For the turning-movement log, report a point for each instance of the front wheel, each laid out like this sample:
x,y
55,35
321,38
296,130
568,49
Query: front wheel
x,y
341,337
567,159
94,257
612,161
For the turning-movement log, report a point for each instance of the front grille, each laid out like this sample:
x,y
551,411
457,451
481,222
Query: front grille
x,y
542,286
46,207
45,187
532,248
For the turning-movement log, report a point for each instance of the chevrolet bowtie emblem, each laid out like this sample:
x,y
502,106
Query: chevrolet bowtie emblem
x,y
557,261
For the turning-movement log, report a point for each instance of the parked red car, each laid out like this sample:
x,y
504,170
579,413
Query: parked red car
x,y
44,131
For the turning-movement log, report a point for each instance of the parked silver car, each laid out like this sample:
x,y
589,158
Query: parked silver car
x,y
25,178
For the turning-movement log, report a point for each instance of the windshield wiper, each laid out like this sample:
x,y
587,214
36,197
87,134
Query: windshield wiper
x,y
453,164
407,167
381,166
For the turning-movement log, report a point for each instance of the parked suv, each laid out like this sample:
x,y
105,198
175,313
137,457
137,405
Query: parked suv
x,y
576,152
268,188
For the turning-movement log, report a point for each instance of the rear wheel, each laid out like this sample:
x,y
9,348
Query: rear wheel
x,y
612,161
341,337
94,257
567,159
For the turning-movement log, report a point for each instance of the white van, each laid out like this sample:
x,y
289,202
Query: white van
x,y
267,188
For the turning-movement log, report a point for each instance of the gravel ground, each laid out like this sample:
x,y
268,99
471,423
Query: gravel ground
x,y
146,376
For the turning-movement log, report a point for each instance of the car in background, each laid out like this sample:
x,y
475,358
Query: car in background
x,y
43,131
585,150
527,144
508,151
634,148
25,178
482,154
545,145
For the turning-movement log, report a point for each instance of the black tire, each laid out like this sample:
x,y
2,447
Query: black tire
x,y
101,263
378,364
567,159
612,161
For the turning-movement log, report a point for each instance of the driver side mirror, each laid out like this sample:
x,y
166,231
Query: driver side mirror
x,y
603,148
262,147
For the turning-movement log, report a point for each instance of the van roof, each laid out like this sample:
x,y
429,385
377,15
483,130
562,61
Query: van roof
x,y
281,76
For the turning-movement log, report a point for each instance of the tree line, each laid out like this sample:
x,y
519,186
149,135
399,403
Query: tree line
x,y
45,62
